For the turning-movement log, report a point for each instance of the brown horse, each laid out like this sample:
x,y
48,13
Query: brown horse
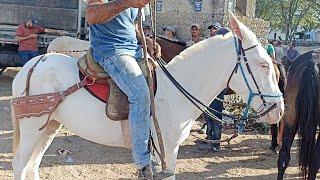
x,y
169,48
302,115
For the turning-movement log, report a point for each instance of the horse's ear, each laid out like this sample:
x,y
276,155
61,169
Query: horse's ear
x,y
234,23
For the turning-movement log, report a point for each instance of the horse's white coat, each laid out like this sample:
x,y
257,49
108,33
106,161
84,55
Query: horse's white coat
x,y
202,69
75,48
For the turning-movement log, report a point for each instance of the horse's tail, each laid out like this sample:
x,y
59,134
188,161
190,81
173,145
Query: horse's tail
x,y
16,131
308,115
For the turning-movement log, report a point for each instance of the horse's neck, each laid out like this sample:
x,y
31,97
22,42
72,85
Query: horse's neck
x,y
169,49
203,70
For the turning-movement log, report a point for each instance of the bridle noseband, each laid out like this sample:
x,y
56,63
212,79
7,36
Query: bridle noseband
x,y
252,94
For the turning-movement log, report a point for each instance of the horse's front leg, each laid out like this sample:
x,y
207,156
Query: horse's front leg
x,y
284,154
315,164
171,158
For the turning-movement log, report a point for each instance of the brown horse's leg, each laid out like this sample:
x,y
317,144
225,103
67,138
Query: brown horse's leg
x,y
315,164
274,135
284,154
280,132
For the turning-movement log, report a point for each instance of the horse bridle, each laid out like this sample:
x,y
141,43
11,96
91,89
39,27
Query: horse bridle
x,y
252,94
209,111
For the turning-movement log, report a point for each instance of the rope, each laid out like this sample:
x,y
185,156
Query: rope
x,y
153,109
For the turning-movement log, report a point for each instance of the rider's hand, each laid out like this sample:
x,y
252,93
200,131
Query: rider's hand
x,y
153,49
33,35
62,33
138,3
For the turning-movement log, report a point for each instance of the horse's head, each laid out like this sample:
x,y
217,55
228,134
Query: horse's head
x,y
254,77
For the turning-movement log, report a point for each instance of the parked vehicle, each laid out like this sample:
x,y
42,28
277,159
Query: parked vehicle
x,y
55,14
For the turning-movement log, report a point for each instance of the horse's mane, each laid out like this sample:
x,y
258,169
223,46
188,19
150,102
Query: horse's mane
x,y
306,68
172,41
302,60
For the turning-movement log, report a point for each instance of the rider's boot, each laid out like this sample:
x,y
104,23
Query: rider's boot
x,y
154,172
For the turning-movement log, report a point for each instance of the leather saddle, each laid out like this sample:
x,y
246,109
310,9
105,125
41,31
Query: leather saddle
x,y
117,104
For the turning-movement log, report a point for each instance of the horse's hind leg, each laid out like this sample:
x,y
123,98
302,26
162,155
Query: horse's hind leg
x,y
44,142
315,164
29,138
284,154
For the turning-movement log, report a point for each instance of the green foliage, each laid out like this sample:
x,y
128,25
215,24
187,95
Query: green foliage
x,y
312,20
288,15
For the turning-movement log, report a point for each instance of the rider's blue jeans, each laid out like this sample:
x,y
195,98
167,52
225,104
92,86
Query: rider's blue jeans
x,y
127,74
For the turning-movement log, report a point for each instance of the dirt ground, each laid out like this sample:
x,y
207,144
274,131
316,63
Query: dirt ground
x,y
247,157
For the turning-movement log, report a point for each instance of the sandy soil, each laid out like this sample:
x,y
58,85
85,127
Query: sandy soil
x,y
247,157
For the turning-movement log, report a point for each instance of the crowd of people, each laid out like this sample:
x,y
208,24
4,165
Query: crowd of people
x,y
281,53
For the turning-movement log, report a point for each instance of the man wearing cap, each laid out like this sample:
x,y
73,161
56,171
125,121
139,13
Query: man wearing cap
x,y
195,35
27,37
214,127
216,29
170,32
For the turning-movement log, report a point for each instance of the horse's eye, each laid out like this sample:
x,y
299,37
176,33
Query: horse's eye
x,y
265,65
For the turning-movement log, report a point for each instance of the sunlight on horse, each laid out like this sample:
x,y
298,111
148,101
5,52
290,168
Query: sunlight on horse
x,y
202,69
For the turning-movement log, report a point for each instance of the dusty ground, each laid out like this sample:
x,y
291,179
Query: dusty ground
x,y
247,157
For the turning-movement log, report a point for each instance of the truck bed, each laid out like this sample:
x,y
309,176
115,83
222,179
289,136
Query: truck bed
x,y
57,14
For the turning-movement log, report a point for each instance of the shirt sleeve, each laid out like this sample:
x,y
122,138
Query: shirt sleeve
x,y
40,29
19,31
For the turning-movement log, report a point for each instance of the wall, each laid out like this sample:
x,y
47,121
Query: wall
x,y
181,14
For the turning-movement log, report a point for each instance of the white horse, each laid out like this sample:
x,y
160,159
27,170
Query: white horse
x,y
73,47
202,69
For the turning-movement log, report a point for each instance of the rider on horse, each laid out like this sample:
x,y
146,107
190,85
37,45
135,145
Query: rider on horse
x,y
114,37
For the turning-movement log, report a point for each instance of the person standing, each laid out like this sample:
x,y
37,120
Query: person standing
x,y
214,127
27,37
292,53
278,51
270,50
170,33
195,35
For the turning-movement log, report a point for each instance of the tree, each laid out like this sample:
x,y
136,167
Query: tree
x,y
288,15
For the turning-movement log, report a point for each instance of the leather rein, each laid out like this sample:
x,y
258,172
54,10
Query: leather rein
x,y
209,111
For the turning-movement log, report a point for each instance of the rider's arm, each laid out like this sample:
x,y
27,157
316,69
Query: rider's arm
x,y
99,12
21,38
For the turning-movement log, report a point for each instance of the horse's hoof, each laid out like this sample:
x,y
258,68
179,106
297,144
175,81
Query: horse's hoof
x,y
273,149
